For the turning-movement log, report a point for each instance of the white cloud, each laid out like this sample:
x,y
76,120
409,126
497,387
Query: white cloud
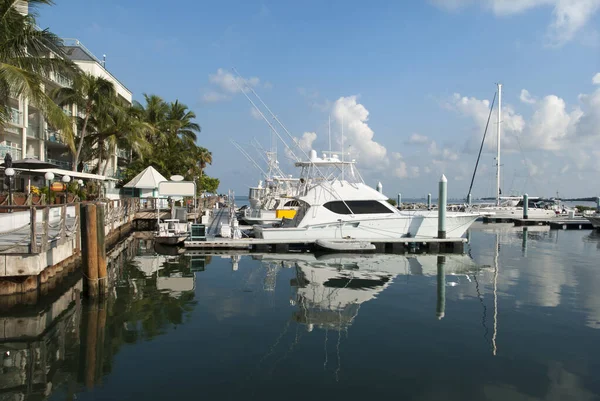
x,y
397,155
401,171
551,124
526,97
225,85
569,16
213,97
306,141
229,83
596,79
357,133
417,139
255,114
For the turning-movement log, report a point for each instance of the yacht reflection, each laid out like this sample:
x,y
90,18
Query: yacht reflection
x,y
329,289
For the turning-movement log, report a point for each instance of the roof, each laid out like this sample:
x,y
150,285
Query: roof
x,y
76,53
147,179
72,174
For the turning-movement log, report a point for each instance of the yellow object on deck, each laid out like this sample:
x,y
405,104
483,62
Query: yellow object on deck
x,y
285,213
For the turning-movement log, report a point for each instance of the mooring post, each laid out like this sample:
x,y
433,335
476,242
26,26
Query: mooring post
x,y
428,201
469,200
101,248
399,200
525,206
379,188
33,220
598,204
442,198
440,310
89,248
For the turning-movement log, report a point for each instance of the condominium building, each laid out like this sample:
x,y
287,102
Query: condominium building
x,y
27,134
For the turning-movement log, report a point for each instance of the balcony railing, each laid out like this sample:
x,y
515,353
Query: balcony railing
x,y
33,132
14,152
15,116
61,80
123,153
60,163
54,136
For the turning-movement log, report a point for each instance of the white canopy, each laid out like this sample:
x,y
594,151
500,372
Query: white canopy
x,y
147,179
72,174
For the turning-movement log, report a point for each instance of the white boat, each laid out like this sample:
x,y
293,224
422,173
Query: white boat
x,y
512,206
334,203
345,245
594,219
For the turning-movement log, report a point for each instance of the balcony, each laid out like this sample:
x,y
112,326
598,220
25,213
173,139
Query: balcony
x,y
15,116
14,152
54,137
123,154
61,80
65,165
33,132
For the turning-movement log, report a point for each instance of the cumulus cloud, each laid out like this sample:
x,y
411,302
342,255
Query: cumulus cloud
x,y
553,126
354,117
225,85
526,97
568,16
306,141
255,114
596,79
417,139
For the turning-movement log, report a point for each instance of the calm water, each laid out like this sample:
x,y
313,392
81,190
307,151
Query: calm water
x,y
518,318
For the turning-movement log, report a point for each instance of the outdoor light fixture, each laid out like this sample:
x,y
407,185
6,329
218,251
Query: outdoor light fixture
x,y
9,172
66,179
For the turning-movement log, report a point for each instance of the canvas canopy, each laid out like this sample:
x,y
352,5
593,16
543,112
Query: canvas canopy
x,y
147,179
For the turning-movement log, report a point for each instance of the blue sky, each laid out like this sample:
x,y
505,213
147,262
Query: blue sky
x,y
410,80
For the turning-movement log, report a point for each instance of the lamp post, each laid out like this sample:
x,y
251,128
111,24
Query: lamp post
x,y
9,172
66,179
49,176
80,182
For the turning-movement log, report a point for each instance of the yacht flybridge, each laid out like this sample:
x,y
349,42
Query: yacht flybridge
x,y
335,203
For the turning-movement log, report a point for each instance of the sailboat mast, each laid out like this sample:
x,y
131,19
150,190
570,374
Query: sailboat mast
x,y
498,145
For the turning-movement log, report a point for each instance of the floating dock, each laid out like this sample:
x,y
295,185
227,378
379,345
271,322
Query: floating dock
x,y
557,223
392,245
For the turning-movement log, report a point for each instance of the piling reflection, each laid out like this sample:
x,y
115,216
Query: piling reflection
x,y
67,344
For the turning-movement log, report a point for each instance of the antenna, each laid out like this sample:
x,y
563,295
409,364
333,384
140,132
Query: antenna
x,y
330,133
343,147
104,61
250,159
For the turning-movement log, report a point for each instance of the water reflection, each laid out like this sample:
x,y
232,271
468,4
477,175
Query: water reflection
x,y
515,318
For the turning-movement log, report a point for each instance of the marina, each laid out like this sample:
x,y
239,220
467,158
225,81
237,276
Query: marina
x,y
385,212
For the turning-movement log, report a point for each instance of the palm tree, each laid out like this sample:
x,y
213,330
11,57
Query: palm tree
x,y
26,62
179,120
94,96
121,127
203,157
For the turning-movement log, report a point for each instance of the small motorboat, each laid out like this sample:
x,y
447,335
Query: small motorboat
x,y
171,232
345,245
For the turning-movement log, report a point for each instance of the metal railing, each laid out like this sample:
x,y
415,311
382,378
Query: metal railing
x,y
123,153
33,131
61,79
54,136
60,163
15,116
14,152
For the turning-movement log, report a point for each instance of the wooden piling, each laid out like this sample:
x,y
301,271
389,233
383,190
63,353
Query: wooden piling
x,y
101,249
89,248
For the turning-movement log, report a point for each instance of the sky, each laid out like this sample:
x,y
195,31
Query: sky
x,y
409,82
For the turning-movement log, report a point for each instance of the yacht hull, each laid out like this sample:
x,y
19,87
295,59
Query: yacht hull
x,y
457,224
394,227
595,220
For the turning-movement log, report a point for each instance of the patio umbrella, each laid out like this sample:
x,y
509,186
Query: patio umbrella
x,y
30,164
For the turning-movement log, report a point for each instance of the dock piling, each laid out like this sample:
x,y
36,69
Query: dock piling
x,y
89,248
399,200
598,204
428,201
469,200
442,200
525,206
440,310
101,248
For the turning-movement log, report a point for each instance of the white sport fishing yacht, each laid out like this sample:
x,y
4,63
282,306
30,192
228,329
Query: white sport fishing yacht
x,y
272,203
335,203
